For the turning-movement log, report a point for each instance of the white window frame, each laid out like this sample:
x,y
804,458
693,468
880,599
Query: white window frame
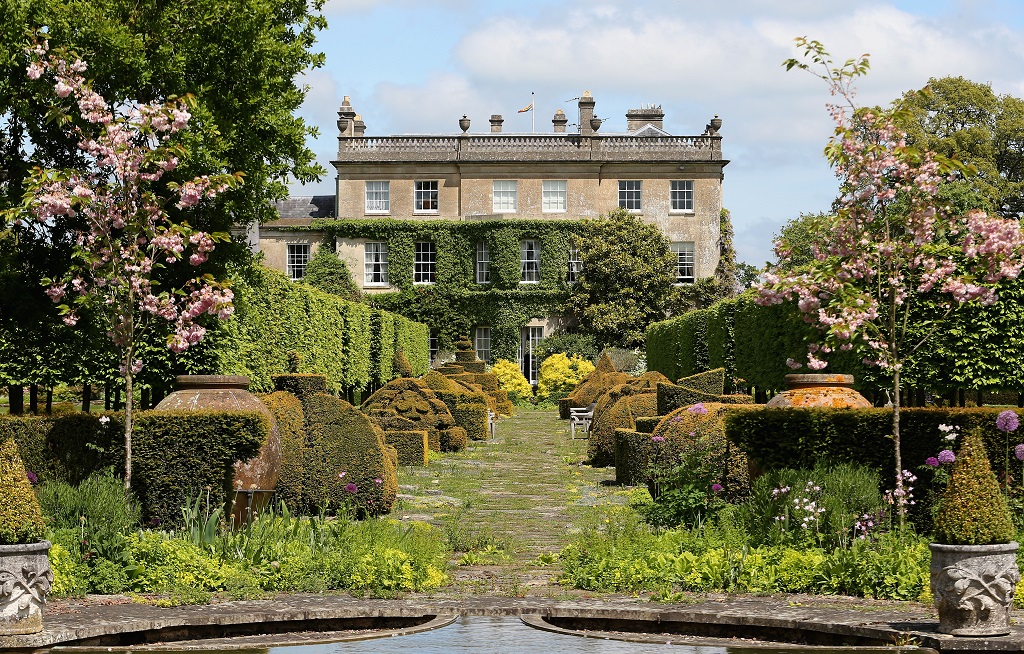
x,y
482,343
426,196
529,266
378,197
575,265
685,252
530,337
681,196
631,193
375,264
554,196
504,196
424,266
296,259
483,263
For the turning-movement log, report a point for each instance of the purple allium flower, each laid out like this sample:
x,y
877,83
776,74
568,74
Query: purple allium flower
x,y
32,479
716,488
676,419
155,522
932,461
1019,452
1007,421
698,409
351,488
657,439
947,456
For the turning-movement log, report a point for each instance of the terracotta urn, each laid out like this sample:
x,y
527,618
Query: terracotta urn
x,y
830,391
25,580
231,393
973,587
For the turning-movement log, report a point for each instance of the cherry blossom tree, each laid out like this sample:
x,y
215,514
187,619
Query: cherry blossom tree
x,y
125,235
891,245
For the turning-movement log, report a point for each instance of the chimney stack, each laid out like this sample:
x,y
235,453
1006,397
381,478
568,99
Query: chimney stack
x,y
586,113
650,114
496,121
358,126
559,121
346,118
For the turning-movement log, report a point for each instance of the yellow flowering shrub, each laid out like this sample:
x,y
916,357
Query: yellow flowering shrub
x,y
560,374
511,379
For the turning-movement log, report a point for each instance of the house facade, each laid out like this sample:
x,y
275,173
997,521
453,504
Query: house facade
x,y
505,203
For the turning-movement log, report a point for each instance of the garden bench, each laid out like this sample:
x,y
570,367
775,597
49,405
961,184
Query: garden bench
x,y
581,417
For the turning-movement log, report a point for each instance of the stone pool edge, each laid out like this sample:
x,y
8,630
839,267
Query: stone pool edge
x,y
897,626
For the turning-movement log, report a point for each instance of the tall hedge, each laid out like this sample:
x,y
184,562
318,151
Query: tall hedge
x,y
287,411
339,339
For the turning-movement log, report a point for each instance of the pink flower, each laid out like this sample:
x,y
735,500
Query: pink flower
x,y
1007,421
932,461
946,456
657,439
1019,452
716,488
698,409
351,488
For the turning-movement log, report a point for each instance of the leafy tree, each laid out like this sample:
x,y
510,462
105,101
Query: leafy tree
x,y
956,117
799,240
892,245
328,273
127,234
239,59
628,273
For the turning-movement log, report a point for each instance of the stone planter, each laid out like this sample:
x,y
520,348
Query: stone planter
x,y
25,580
231,393
819,391
973,587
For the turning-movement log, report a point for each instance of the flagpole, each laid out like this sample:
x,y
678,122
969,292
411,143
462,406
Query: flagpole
x,y
533,114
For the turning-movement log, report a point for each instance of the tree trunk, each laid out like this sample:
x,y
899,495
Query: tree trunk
x,y
33,399
146,402
962,397
16,400
117,399
49,400
86,397
981,397
128,430
896,441
106,396
921,398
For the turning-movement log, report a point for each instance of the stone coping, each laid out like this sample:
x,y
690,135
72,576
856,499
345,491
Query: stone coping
x,y
844,621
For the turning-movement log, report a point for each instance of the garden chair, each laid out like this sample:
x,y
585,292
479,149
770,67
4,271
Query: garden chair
x,y
581,417
492,422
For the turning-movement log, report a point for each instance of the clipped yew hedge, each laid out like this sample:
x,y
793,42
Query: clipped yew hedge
x,y
349,343
413,446
287,411
801,438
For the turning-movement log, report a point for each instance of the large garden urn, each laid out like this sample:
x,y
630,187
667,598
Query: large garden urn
x,y
973,587
830,391
231,393
25,580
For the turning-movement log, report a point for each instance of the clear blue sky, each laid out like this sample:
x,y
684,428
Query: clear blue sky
x,y
418,66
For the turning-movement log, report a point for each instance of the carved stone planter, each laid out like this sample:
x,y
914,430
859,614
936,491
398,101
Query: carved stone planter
x,y
25,580
973,587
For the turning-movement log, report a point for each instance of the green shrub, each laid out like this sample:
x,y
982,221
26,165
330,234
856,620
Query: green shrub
x,y
287,411
413,447
617,408
70,575
672,397
68,447
511,380
301,386
180,454
401,365
633,450
408,404
454,439
346,464
326,272
973,510
583,346
475,419
711,382
98,507
621,359
21,519
560,374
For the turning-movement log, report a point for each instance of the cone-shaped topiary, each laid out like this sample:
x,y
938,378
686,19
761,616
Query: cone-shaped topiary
x,y
973,510
21,518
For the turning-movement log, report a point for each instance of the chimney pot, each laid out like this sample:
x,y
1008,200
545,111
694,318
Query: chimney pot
x,y
496,121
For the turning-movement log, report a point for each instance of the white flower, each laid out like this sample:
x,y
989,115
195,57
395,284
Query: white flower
x,y
104,420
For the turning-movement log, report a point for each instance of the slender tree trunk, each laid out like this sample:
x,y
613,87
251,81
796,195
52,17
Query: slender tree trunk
x,y
128,428
896,440
16,400
49,400
106,396
86,397
33,399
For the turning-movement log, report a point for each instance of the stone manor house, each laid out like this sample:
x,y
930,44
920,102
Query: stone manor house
x,y
490,180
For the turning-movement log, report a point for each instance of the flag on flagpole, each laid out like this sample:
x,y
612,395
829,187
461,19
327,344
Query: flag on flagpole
x,y
528,107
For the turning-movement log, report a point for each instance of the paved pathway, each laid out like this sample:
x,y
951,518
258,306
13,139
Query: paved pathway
x,y
510,500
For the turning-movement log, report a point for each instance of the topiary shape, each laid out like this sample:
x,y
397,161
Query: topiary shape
x,y
21,518
973,510
400,364
711,382
418,406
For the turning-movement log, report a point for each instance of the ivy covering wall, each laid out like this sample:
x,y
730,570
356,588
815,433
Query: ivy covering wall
x,y
455,305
